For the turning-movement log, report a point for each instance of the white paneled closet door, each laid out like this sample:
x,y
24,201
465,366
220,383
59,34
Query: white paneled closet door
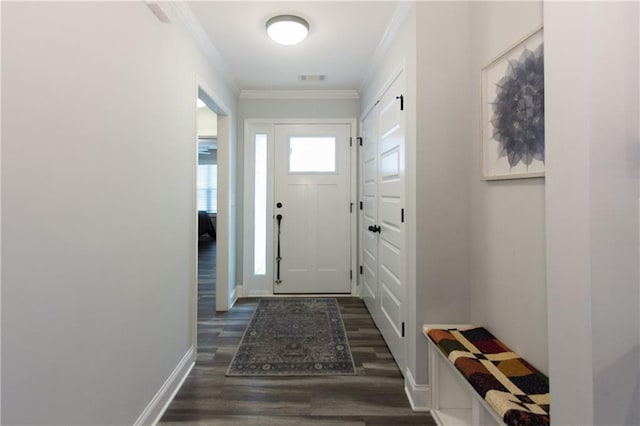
x,y
383,241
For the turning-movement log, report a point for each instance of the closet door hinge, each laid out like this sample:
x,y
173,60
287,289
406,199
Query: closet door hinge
x,y
402,215
350,207
401,97
350,141
361,205
403,329
360,140
361,270
351,274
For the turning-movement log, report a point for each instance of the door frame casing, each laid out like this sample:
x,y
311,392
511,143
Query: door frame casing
x,y
263,287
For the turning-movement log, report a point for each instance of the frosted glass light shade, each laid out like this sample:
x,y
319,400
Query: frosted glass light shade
x,y
287,29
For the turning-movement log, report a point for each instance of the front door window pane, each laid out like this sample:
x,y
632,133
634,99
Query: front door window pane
x,y
312,155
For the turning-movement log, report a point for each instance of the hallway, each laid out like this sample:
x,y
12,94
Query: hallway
x,y
98,161
374,397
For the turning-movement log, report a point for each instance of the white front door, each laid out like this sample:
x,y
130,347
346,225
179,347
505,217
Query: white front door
x,y
383,246
312,242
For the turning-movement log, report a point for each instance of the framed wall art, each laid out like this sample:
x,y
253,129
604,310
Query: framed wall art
x,y
513,112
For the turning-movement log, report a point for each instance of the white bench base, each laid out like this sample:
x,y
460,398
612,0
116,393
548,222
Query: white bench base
x,y
454,402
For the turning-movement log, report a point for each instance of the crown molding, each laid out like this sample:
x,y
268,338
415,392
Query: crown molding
x,y
185,15
398,18
299,94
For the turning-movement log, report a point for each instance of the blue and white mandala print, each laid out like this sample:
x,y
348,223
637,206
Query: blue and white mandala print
x,y
513,112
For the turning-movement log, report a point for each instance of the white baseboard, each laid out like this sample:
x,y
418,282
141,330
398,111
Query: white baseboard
x,y
235,293
158,405
259,293
419,395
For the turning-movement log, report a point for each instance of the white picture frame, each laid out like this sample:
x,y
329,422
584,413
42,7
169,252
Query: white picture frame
x,y
513,111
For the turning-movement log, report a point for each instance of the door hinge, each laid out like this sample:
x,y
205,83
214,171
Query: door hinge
x,y
361,205
402,215
403,329
351,274
351,208
360,140
401,97
350,141
361,270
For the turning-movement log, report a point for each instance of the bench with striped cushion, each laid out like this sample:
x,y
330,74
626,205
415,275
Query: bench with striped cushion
x,y
512,387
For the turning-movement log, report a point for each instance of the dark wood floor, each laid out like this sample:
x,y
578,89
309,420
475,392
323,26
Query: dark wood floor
x,y
206,282
374,397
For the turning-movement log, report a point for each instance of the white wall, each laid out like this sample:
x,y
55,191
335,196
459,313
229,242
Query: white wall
x,y
207,122
0,227
280,108
296,108
507,229
226,221
443,163
98,196
591,84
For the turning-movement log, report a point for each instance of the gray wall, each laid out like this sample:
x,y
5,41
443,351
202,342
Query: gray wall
x,y
591,83
98,197
443,162
507,245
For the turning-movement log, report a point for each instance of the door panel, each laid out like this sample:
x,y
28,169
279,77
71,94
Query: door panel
x,y
392,310
390,165
383,192
296,225
328,203
390,260
390,196
389,119
370,216
312,181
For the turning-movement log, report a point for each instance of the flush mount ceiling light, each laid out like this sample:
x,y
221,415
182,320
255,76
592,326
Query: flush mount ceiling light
x,y
287,29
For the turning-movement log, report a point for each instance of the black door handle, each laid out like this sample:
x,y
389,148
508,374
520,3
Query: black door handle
x,y
278,258
374,228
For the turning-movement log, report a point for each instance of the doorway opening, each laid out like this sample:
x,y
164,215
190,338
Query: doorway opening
x,y
212,286
207,204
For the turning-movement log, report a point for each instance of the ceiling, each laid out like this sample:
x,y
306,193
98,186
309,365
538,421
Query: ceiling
x,y
343,37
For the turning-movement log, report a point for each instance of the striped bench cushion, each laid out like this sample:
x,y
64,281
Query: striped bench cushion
x,y
517,391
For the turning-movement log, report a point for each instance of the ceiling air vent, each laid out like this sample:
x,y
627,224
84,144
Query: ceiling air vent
x,y
312,77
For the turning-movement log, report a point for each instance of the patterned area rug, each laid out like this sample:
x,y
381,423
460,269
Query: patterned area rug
x,y
294,337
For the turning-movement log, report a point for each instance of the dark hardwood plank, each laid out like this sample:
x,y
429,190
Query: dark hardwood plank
x,y
374,397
